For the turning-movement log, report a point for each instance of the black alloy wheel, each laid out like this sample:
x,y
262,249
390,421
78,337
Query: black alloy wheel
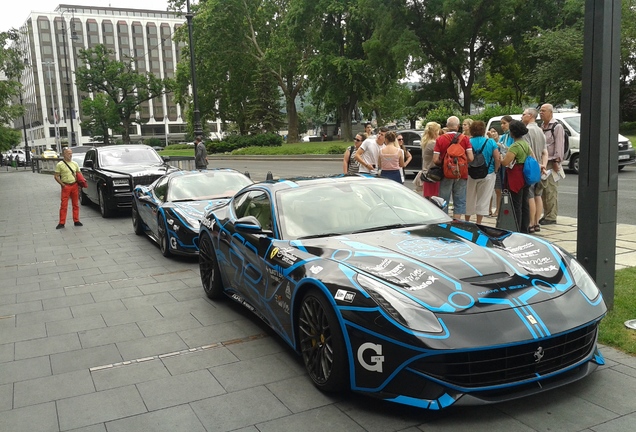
x,y
209,268
137,223
321,342
163,237
103,208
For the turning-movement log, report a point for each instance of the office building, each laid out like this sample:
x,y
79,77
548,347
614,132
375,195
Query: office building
x,y
51,42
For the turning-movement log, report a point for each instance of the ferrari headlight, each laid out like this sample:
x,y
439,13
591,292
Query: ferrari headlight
x,y
401,308
583,280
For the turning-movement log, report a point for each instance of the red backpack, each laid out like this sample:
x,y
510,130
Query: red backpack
x,y
455,160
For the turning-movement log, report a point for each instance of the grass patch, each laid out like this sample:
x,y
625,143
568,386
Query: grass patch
x,y
317,148
613,331
632,138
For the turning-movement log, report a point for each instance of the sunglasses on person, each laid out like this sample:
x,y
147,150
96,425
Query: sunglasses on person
x,y
400,139
357,139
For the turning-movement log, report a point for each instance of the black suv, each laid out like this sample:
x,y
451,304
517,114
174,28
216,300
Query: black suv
x,y
112,172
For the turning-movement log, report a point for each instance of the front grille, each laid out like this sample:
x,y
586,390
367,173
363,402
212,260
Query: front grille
x,y
491,367
144,180
622,146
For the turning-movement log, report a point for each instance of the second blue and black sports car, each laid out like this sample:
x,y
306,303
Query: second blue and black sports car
x,y
169,209
382,293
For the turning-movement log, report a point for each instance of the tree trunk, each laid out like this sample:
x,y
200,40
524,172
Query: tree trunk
x,y
125,135
344,113
292,119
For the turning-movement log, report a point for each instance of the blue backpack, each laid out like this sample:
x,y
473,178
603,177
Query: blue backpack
x,y
531,170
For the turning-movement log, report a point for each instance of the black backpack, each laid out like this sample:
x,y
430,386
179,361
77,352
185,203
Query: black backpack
x,y
566,137
478,168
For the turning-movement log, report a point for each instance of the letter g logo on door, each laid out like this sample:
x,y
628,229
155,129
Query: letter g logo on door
x,y
376,360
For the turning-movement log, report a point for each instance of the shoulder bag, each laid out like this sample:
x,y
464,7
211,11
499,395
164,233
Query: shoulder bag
x,y
79,177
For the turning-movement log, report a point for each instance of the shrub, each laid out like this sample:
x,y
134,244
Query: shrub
x,y
179,147
233,142
154,142
627,128
336,149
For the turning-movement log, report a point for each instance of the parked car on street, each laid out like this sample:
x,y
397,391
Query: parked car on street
x,y
412,142
15,154
113,171
381,292
49,154
571,122
169,210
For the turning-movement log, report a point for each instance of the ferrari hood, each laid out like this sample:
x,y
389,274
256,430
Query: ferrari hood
x,y
456,266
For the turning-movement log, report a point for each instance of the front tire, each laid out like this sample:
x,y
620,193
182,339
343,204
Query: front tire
x,y
105,211
163,237
321,342
209,268
136,221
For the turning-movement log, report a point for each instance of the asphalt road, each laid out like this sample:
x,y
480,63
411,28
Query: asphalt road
x,y
568,188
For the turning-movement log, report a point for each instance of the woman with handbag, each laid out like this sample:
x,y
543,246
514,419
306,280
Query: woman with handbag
x,y
66,175
430,188
514,180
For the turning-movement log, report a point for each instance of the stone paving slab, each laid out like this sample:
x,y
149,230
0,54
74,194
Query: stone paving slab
x,y
100,333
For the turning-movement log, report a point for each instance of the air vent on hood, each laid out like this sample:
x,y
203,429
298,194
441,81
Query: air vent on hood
x,y
487,279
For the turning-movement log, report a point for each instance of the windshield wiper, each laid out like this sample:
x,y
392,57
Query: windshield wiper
x,y
385,227
319,235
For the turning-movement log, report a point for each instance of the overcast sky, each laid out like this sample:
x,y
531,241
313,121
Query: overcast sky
x,y
15,12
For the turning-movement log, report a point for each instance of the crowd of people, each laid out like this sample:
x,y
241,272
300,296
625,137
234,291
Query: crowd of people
x,y
482,162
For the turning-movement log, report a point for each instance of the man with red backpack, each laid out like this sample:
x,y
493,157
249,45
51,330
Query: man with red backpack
x,y
453,152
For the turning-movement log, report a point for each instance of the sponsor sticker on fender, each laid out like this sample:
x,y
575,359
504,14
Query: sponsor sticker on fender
x,y
375,362
345,296
284,255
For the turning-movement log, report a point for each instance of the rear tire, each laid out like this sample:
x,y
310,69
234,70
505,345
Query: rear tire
x,y
321,342
83,198
209,268
574,164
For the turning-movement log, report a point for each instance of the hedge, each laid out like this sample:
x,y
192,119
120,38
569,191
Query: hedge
x,y
233,142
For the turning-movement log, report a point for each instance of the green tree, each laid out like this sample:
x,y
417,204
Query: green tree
x,y
100,115
264,108
120,82
358,52
12,66
233,39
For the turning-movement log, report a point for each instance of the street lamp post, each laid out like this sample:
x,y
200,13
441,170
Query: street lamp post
x,y
27,150
69,101
57,130
198,130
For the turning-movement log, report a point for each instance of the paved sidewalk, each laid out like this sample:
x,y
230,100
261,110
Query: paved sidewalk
x,y
99,332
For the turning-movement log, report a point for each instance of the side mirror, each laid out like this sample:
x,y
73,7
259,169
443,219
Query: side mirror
x,y
144,198
438,201
250,225
88,163
165,158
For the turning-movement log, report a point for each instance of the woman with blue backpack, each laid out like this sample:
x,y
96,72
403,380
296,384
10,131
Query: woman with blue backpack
x,y
516,177
481,172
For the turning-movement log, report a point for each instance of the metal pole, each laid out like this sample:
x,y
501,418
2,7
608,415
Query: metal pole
x,y
57,130
27,151
598,178
68,82
198,130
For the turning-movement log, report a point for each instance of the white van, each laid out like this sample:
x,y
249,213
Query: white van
x,y
13,153
571,122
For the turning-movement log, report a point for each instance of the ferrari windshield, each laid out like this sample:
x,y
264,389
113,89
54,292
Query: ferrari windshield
x,y
129,156
206,185
348,207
